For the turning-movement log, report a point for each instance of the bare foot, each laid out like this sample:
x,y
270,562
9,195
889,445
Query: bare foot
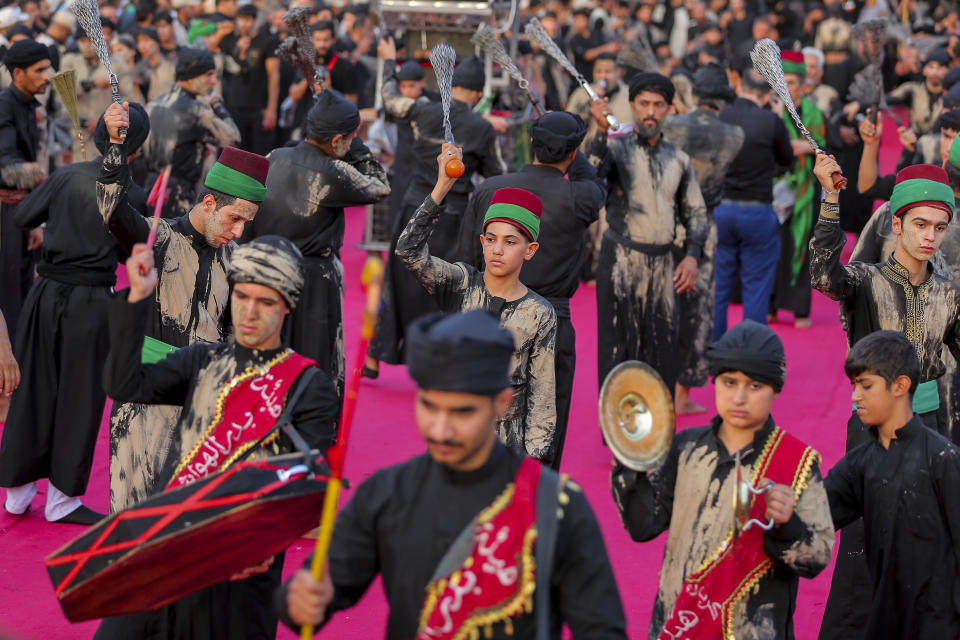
x,y
771,318
683,404
802,323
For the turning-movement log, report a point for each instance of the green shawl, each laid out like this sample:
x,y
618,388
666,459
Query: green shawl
x,y
803,184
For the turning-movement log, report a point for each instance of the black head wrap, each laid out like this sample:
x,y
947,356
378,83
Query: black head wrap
x,y
136,133
463,352
951,79
651,81
470,75
556,134
24,53
192,62
938,55
331,115
951,99
753,349
21,29
150,32
271,261
710,81
411,70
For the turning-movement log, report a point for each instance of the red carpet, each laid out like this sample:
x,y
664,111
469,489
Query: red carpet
x,y
814,406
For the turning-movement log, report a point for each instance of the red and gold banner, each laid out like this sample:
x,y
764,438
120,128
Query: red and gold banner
x,y
705,606
247,409
497,580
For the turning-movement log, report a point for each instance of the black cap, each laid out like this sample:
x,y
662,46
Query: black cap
x,y
410,71
470,75
247,10
192,62
25,53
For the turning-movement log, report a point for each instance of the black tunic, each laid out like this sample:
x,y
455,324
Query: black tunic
x,y
906,495
192,378
402,520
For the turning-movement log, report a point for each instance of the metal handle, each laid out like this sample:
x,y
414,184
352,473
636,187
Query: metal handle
x,y
611,120
766,526
115,90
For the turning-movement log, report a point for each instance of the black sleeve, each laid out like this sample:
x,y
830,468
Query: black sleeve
x,y
645,500
468,245
881,189
782,149
126,378
844,485
315,414
126,224
34,210
589,191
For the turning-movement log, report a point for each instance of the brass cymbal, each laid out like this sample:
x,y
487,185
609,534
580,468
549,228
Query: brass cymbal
x,y
637,415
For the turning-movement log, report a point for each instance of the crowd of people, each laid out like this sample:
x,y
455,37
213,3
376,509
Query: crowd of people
x,y
711,188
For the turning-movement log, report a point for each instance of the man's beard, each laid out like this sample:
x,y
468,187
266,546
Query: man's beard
x,y
647,132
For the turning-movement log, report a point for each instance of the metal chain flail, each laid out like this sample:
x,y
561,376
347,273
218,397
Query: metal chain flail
x,y
766,61
536,33
489,41
87,13
444,58
298,21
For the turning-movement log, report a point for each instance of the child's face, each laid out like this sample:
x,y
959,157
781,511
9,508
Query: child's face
x,y
874,400
742,402
505,248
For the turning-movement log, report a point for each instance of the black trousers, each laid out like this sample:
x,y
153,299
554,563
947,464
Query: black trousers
x,y
565,363
54,417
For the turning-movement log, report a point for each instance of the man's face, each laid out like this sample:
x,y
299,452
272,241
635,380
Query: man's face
x,y
742,402
222,225
245,25
165,31
875,403
459,427
761,29
549,25
322,41
227,7
505,248
147,46
645,13
35,78
411,89
605,70
581,23
934,73
649,109
946,141
86,48
920,231
814,70
258,313
58,32
795,87
202,84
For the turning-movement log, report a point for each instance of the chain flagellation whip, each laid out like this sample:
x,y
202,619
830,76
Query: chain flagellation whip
x,y
767,62
87,13
486,39
444,58
303,55
538,34
873,35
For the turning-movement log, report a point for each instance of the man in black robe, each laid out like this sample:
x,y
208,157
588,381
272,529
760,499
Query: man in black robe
x,y
183,122
572,196
417,522
266,278
403,299
54,419
308,187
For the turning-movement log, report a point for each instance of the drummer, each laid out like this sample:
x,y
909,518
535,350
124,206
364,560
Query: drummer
x,y
404,521
234,396
692,494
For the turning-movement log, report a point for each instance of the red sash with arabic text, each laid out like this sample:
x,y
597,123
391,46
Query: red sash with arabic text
x,y
704,609
496,580
247,409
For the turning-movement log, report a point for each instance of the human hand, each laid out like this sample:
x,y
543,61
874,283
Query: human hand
x,y
850,110
848,135
308,598
824,169
500,124
101,82
599,110
445,182
263,567
269,119
35,239
869,132
141,273
780,502
387,49
9,369
116,117
908,138
685,275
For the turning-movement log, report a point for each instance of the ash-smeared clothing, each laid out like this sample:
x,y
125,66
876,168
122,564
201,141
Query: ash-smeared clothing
x,y
188,306
712,145
925,106
530,423
880,296
928,149
180,128
690,494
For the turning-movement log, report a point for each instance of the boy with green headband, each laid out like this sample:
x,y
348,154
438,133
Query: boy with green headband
x,y
510,230
902,293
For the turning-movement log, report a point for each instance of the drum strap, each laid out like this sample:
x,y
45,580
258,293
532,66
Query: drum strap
x,y
547,496
285,423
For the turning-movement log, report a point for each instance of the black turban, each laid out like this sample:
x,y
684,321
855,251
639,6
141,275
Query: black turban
x,y
710,81
752,349
331,115
21,29
470,74
462,352
25,53
951,79
271,261
949,120
651,81
411,70
951,99
938,55
193,62
136,133
556,134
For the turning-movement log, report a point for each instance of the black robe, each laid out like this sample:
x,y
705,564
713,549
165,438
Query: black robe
x,y
569,207
54,418
402,520
402,299
307,191
192,378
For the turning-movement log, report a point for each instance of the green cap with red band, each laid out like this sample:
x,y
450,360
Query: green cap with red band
x,y
922,185
517,207
792,62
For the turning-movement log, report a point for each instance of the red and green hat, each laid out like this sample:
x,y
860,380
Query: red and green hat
x,y
240,174
518,207
922,185
792,62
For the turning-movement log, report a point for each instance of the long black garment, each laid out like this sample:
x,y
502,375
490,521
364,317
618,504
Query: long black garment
x,y
712,145
193,378
307,191
62,342
906,495
402,299
402,520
